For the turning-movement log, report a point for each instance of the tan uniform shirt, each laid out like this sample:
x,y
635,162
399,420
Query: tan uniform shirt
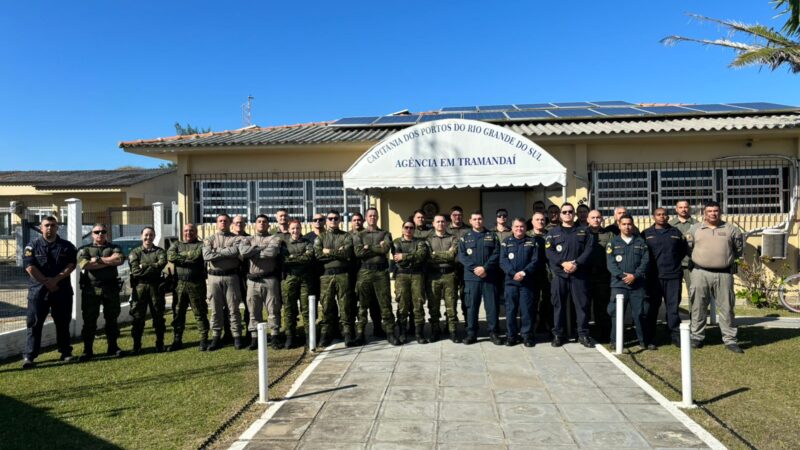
x,y
221,251
263,252
714,248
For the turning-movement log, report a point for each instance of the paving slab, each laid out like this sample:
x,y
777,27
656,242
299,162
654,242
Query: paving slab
x,y
449,396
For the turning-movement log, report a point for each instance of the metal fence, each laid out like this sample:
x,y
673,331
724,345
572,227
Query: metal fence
x,y
753,193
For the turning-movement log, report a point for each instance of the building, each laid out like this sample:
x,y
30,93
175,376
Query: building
x,y
600,153
30,195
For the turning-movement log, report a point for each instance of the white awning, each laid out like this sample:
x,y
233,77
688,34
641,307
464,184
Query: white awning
x,y
454,153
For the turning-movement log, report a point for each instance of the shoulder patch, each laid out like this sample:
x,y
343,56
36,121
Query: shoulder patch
x,y
29,251
547,244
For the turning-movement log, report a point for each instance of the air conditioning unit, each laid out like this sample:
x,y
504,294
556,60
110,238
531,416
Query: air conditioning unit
x,y
773,243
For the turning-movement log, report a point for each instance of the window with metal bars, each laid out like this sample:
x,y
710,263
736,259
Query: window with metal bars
x,y
740,186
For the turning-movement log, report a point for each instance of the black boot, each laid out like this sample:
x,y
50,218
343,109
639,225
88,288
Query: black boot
x,y
289,341
348,339
253,344
160,342
455,336
392,339
325,340
114,350
277,341
435,332
419,331
361,339
136,334
402,332
88,352
237,343
177,343
216,344
203,343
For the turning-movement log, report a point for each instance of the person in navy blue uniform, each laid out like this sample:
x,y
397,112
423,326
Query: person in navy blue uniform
x,y
667,247
569,250
627,258
479,253
519,258
49,260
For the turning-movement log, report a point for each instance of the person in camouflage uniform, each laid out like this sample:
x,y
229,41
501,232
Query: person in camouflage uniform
x,y
147,291
600,277
190,289
264,254
334,249
100,286
458,229
316,271
371,246
440,283
297,272
357,226
409,256
502,230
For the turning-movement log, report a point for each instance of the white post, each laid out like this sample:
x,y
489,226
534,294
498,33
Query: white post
x,y
312,322
620,325
686,366
263,365
75,235
158,223
176,227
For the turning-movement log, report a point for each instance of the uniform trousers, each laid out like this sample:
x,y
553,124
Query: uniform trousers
x,y
639,307
224,290
519,300
718,286
473,292
262,293
59,305
668,291
561,289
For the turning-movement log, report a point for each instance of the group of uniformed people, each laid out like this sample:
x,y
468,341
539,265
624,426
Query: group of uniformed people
x,y
560,259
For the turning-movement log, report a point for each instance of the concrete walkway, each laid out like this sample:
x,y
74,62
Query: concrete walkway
x,y
453,396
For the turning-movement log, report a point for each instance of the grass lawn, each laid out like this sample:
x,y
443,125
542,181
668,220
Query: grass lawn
x,y
755,396
164,401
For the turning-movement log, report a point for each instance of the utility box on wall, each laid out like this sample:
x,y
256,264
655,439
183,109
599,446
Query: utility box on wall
x,y
773,244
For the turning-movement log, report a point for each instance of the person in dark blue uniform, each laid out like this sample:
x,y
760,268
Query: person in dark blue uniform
x,y
479,253
627,258
49,260
667,247
519,257
569,250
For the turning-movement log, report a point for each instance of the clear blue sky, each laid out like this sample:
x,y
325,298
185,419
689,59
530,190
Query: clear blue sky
x,y
78,77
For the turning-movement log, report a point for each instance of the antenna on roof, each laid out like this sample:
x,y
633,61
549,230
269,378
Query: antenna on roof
x,y
247,118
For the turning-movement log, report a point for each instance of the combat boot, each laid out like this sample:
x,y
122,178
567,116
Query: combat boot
x,y
237,343
160,343
216,344
348,339
289,341
88,352
392,339
455,337
325,340
137,347
361,339
177,343
114,350
136,334
203,343
253,344
435,332
419,331
402,332
277,341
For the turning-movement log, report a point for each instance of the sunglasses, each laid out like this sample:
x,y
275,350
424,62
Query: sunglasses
x,y
502,215
570,211
319,220
100,232
334,219
408,228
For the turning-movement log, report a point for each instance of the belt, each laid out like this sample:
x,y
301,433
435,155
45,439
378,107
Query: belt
x,y
261,276
222,273
723,270
374,266
297,271
97,283
409,272
335,271
190,277
441,270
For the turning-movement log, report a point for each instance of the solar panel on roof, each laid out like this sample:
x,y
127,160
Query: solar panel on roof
x,y
396,120
533,114
534,105
356,121
612,111
763,106
459,108
715,108
573,104
497,108
577,112
431,117
485,116
666,110
612,103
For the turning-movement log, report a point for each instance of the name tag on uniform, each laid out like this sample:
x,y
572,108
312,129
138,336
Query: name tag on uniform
x,y
559,248
618,258
510,256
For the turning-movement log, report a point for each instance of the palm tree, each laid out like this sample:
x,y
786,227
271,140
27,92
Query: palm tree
x,y
766,47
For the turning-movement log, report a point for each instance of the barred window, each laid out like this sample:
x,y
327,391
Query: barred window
x,y
740,186
5,223
301,194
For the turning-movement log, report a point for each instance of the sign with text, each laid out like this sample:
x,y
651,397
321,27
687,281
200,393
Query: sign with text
x,y
454,153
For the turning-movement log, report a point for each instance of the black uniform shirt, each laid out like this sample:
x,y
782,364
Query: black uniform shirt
x,y
519,255
476,249
569,244
51,259
667,248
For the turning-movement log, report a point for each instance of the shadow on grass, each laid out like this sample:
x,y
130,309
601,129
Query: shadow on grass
x,y
26,427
